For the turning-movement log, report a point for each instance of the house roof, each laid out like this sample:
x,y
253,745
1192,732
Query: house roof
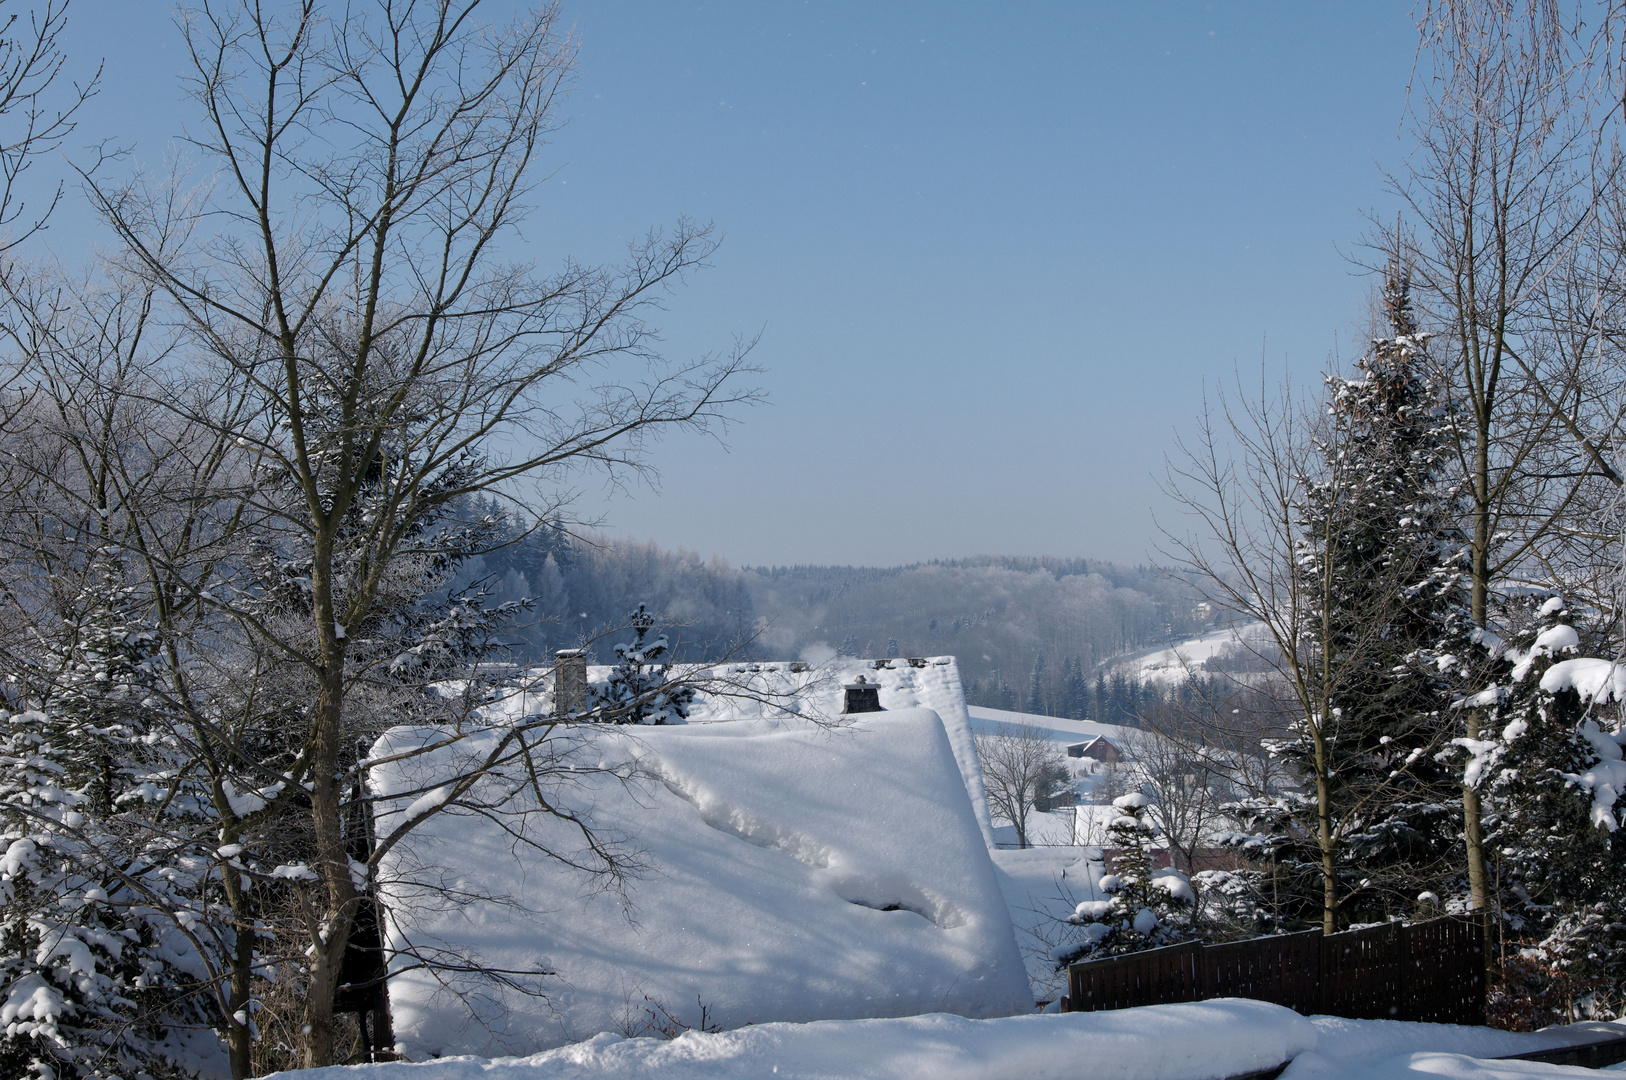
x,y
771,690
793,872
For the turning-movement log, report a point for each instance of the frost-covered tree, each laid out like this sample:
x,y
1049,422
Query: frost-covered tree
x,y
641,688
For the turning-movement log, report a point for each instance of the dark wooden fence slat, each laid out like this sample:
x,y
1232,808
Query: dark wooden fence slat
x,y
1427,971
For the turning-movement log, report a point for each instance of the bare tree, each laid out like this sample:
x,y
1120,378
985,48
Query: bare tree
x,y
347,274
1509,191
36,113
1020,765
1187,787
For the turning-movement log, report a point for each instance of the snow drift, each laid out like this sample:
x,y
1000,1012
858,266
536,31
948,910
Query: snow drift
x,y
1201,1041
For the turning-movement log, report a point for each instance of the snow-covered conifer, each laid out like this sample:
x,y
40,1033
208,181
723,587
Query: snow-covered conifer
x,y
101,874
1380,581
1146,908
1552,774
640,689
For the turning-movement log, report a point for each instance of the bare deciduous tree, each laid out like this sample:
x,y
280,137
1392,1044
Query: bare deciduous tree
x,y
349,273
1517,267
1020,765
1187,786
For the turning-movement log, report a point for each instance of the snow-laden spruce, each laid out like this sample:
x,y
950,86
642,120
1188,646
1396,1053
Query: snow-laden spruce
x,y
1145,909
1551,770
108,918
1378,608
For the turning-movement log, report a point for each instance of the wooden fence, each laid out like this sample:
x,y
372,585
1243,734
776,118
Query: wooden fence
x,y
1432,971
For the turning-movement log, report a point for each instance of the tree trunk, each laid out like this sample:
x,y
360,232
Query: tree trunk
x,y
332,932
1479,603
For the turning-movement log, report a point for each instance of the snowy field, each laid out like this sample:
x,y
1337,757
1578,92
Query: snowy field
x,y
1205,1041
790,873
1171,666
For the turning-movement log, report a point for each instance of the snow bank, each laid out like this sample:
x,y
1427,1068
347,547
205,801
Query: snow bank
x,y
795,873
1203,1041
1379,1049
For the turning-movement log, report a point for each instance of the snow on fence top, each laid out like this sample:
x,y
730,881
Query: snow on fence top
x,y
794,873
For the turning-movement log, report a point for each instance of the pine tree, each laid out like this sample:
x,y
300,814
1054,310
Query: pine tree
x,y
1146,908
1382,585
640,689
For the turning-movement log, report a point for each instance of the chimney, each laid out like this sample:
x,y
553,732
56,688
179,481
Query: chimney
x,y
862,696
569,683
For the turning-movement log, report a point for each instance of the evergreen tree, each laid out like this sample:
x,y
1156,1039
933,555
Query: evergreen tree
x,y
1038,701
1551,778
1381,579
1146,908
1075,690
106,877
641,689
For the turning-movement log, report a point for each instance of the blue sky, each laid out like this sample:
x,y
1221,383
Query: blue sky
x,y
993,251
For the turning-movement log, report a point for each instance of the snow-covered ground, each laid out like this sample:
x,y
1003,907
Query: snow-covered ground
x,y
1042,886
792,872
1203,1041
1171,666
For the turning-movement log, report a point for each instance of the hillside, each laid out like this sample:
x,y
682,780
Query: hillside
x,y
1030,633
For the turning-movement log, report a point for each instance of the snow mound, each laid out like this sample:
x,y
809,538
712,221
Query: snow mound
x,y
1201,1041
794,873
1380,1049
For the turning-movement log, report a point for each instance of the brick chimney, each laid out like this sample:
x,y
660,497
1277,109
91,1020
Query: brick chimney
x,y
862,696
569,683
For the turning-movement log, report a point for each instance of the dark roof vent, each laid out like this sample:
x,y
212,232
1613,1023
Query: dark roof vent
x,y
862,696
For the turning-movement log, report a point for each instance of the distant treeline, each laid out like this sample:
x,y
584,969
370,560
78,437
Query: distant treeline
x,y
1030,633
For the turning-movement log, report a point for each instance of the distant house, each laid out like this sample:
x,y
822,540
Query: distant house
x,y
1098,748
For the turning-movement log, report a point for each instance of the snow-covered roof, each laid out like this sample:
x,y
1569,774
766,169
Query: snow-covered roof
x,y
774,691
794,872
986,721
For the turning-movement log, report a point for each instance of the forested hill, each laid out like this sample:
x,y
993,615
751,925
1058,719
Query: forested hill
x,y
1028,632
